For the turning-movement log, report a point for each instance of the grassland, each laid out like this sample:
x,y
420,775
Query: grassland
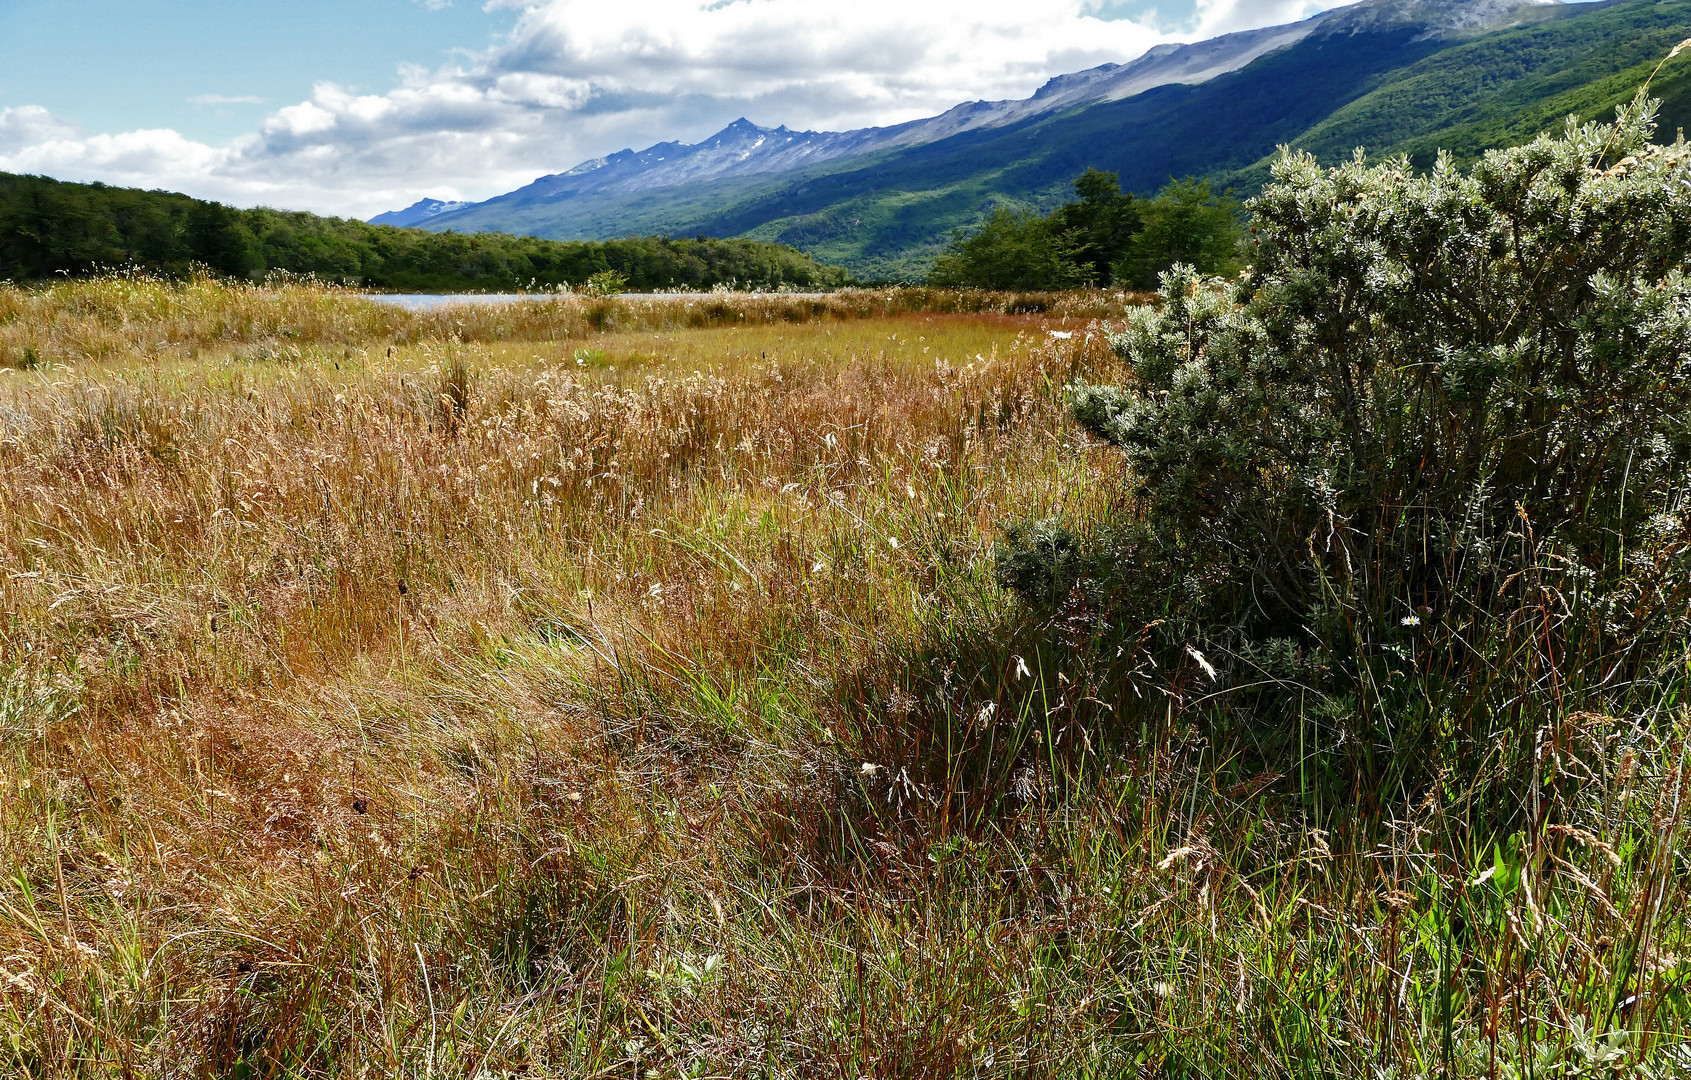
x,y
621,688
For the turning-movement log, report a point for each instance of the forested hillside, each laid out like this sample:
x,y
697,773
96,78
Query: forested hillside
x,y
1386,84
48,227
1508,87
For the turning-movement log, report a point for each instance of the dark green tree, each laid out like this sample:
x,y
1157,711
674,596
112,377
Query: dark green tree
x,y
218,238
1102,220
49,227
1012,251
1186,223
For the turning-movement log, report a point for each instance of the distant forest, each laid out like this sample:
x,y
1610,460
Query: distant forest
x,y
49,227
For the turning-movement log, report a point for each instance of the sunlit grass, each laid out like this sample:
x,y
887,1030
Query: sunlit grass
x,y
604,702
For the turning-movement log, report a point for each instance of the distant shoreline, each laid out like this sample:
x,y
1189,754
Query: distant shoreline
x,y
428,301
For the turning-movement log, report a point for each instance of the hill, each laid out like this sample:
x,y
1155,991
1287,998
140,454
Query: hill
x,y
48,227
1394,76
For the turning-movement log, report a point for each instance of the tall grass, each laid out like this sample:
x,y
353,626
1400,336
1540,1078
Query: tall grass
x,y
126,316
542,699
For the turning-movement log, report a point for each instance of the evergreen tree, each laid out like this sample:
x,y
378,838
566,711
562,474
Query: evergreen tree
x,y
50,227
217,238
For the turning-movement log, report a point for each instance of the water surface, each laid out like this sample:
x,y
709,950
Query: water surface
x,y
429,301
425,301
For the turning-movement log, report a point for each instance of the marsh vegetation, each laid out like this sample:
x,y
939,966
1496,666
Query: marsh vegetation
x,y
793,687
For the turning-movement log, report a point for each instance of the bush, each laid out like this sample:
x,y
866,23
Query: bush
x,y
606,283
1431,453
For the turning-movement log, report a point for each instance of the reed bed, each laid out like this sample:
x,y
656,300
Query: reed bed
x,y
497,692
136,316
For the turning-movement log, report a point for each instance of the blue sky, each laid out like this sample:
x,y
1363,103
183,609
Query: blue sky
x,y
118,65
356,106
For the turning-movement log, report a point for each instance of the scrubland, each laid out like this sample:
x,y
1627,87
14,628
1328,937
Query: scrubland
x,y
624,688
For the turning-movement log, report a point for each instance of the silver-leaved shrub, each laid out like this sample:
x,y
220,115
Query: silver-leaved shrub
x,y
1426,461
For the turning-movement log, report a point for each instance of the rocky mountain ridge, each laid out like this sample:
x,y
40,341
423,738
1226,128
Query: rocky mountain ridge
x,y
1394,76
747,149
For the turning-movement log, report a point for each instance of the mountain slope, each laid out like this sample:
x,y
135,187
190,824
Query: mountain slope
x,y
417,213
744,149
1392,75
1505,88
1146,139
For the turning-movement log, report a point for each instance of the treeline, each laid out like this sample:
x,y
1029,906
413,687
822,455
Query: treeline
x,y
49,227
1103,238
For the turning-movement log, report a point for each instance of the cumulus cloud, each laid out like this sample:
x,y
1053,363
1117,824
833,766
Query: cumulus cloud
x,y
580,78
32,140
870,61
29,126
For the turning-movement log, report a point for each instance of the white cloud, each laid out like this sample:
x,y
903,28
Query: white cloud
x,y
580,78
870,61
1216,17
32,140
225,99
29,126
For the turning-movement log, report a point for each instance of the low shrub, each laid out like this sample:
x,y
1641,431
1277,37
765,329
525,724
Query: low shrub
x,y
1425,463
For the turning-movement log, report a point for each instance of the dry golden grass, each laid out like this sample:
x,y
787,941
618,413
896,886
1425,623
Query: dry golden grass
x,y
130,317
286,634
480,693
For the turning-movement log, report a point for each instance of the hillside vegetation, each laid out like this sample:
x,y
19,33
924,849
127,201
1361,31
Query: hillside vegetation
x,y
1506,88
1389,87
1102,239
48,227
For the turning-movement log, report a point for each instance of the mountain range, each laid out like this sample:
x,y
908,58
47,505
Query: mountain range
x,y
1394,76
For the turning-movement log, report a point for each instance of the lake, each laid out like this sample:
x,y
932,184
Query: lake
x,y
428,301
425,301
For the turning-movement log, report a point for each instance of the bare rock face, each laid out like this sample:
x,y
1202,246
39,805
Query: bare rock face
x,y
1441,18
